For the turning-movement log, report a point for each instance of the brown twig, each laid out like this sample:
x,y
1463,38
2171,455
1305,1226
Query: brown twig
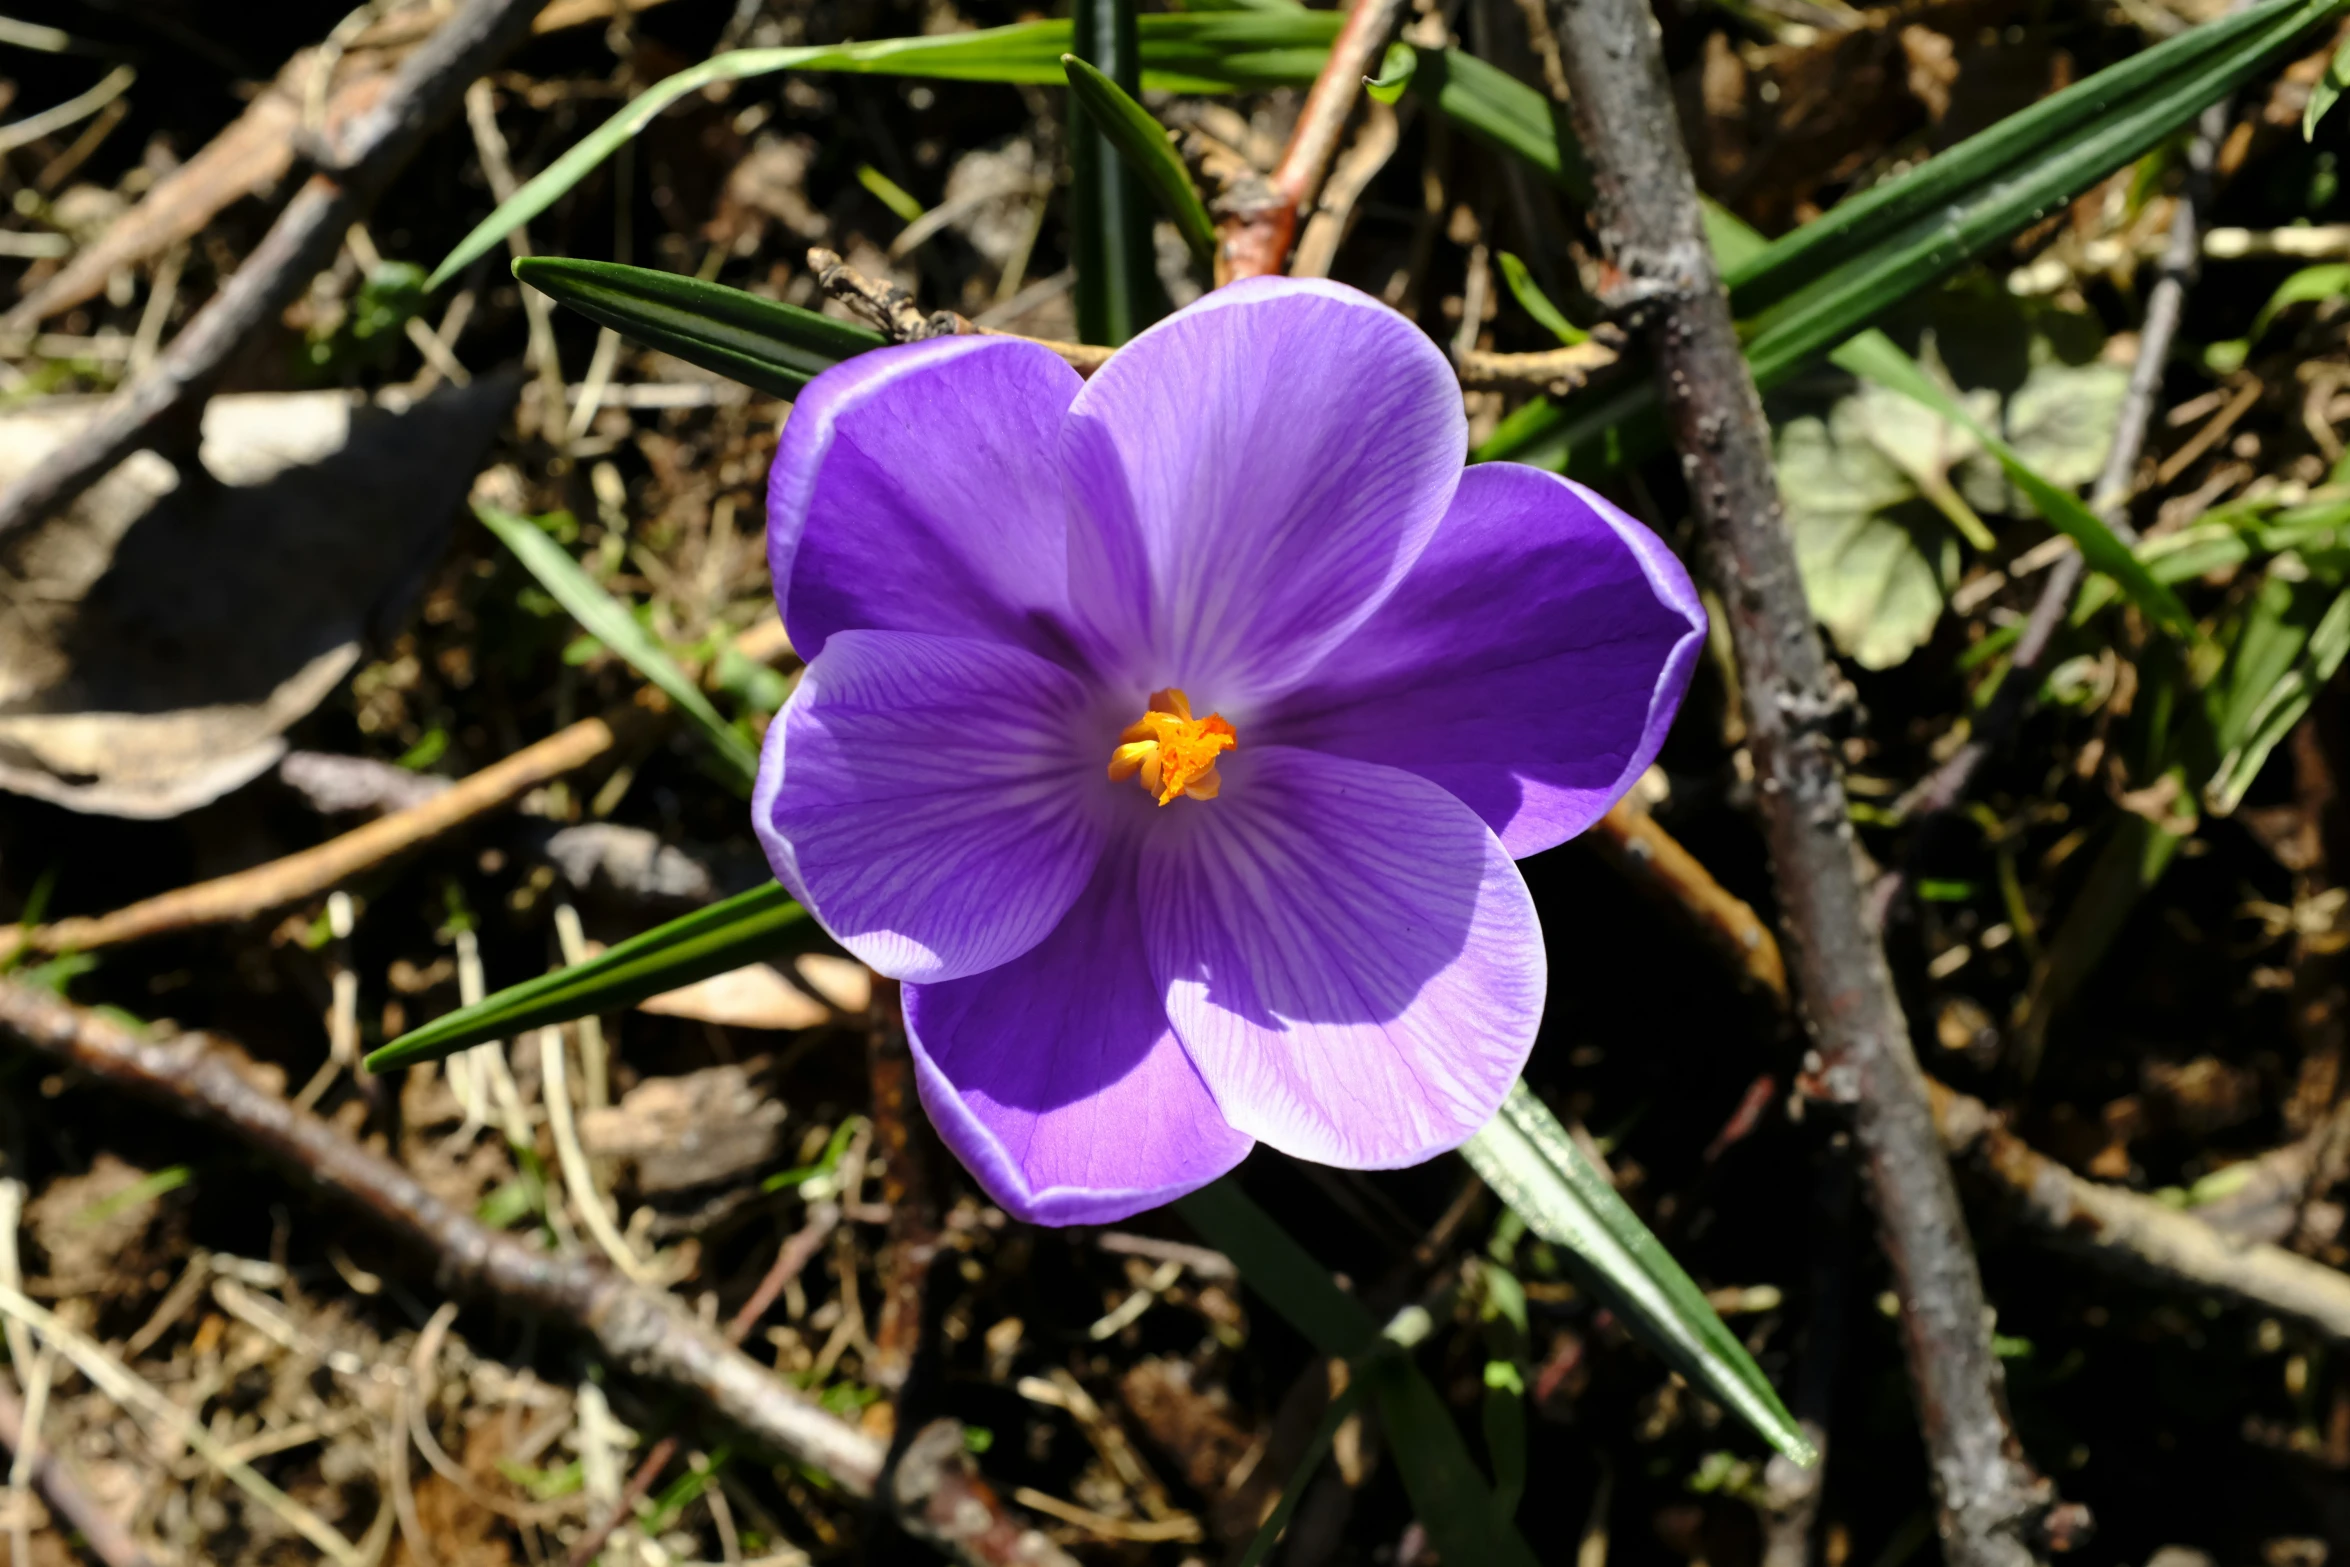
x,y
645,1332
1349,178
907,1189
1255,242
790,1259
1660,275
1632,839
1557,371
891,309
375,147
246,894
102,1534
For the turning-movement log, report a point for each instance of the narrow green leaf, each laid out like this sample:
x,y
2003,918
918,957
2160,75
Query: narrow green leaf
x,y
1142,142
1224,51
1447,1490
1117,292
1526,1156
772,347
1498,109
1536,303
1876,358
2328,90
1396,68
1309,1463
760,924
889,193
609,621
2033,160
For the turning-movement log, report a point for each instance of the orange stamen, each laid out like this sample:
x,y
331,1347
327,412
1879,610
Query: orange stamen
x,y
1171,752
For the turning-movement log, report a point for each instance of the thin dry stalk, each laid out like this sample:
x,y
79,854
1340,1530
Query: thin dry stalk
x,y
1255,243
1661,277
102,1533
1555,371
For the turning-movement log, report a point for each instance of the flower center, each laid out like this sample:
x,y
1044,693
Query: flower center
x,y
1172,752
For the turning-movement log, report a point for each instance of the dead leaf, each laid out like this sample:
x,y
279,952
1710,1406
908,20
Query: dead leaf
x,y
697,1129
759,995
157,636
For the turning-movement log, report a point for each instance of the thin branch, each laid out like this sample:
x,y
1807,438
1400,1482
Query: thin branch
x,y
1556,371
245,894
1255,242
891,309
646,1332
1661,277
303,241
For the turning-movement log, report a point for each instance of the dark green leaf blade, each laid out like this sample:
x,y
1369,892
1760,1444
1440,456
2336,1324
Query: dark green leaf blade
x,y
1142,142
769,346
1117,292
1447,1489
761,924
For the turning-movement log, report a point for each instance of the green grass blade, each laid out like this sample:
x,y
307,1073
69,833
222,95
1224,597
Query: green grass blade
x,y
1142,142
610,622
763,923
1526,1156
1537,304
2025,160
1117,292
772,347
1448,1491
1223,51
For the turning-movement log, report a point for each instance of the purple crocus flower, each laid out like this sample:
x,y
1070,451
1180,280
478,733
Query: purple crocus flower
x,y
1172,733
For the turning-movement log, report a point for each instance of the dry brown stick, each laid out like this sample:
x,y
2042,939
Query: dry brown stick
x,y
245,894
891,309
102,1533
790,1259
1255,243
1556,371
1660,276
303,241
645,1332
1654,858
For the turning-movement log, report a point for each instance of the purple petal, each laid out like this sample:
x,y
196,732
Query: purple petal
x,y
918,489
1248,479
1348,954
1056,1078
1531,662
927,798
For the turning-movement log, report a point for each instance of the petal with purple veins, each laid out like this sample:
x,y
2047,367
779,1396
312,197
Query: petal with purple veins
x,y
917,488
927,798
1348,955
1247,481
1531,662
1056,1078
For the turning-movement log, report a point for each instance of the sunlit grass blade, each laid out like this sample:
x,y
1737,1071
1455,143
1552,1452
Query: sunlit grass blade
x,y
1527,1157
1448,1491
610,622
1537,304
2029,163
760,924
1219,51
769,346
1142,142
1117,292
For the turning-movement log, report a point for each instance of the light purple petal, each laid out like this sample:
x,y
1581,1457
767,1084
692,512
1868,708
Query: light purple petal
x,y
1348,955
1056,1078
918,488
927,798
1248,479
1531,662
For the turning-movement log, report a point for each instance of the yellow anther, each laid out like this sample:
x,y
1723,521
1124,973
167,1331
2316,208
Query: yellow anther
x,y
1171,752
